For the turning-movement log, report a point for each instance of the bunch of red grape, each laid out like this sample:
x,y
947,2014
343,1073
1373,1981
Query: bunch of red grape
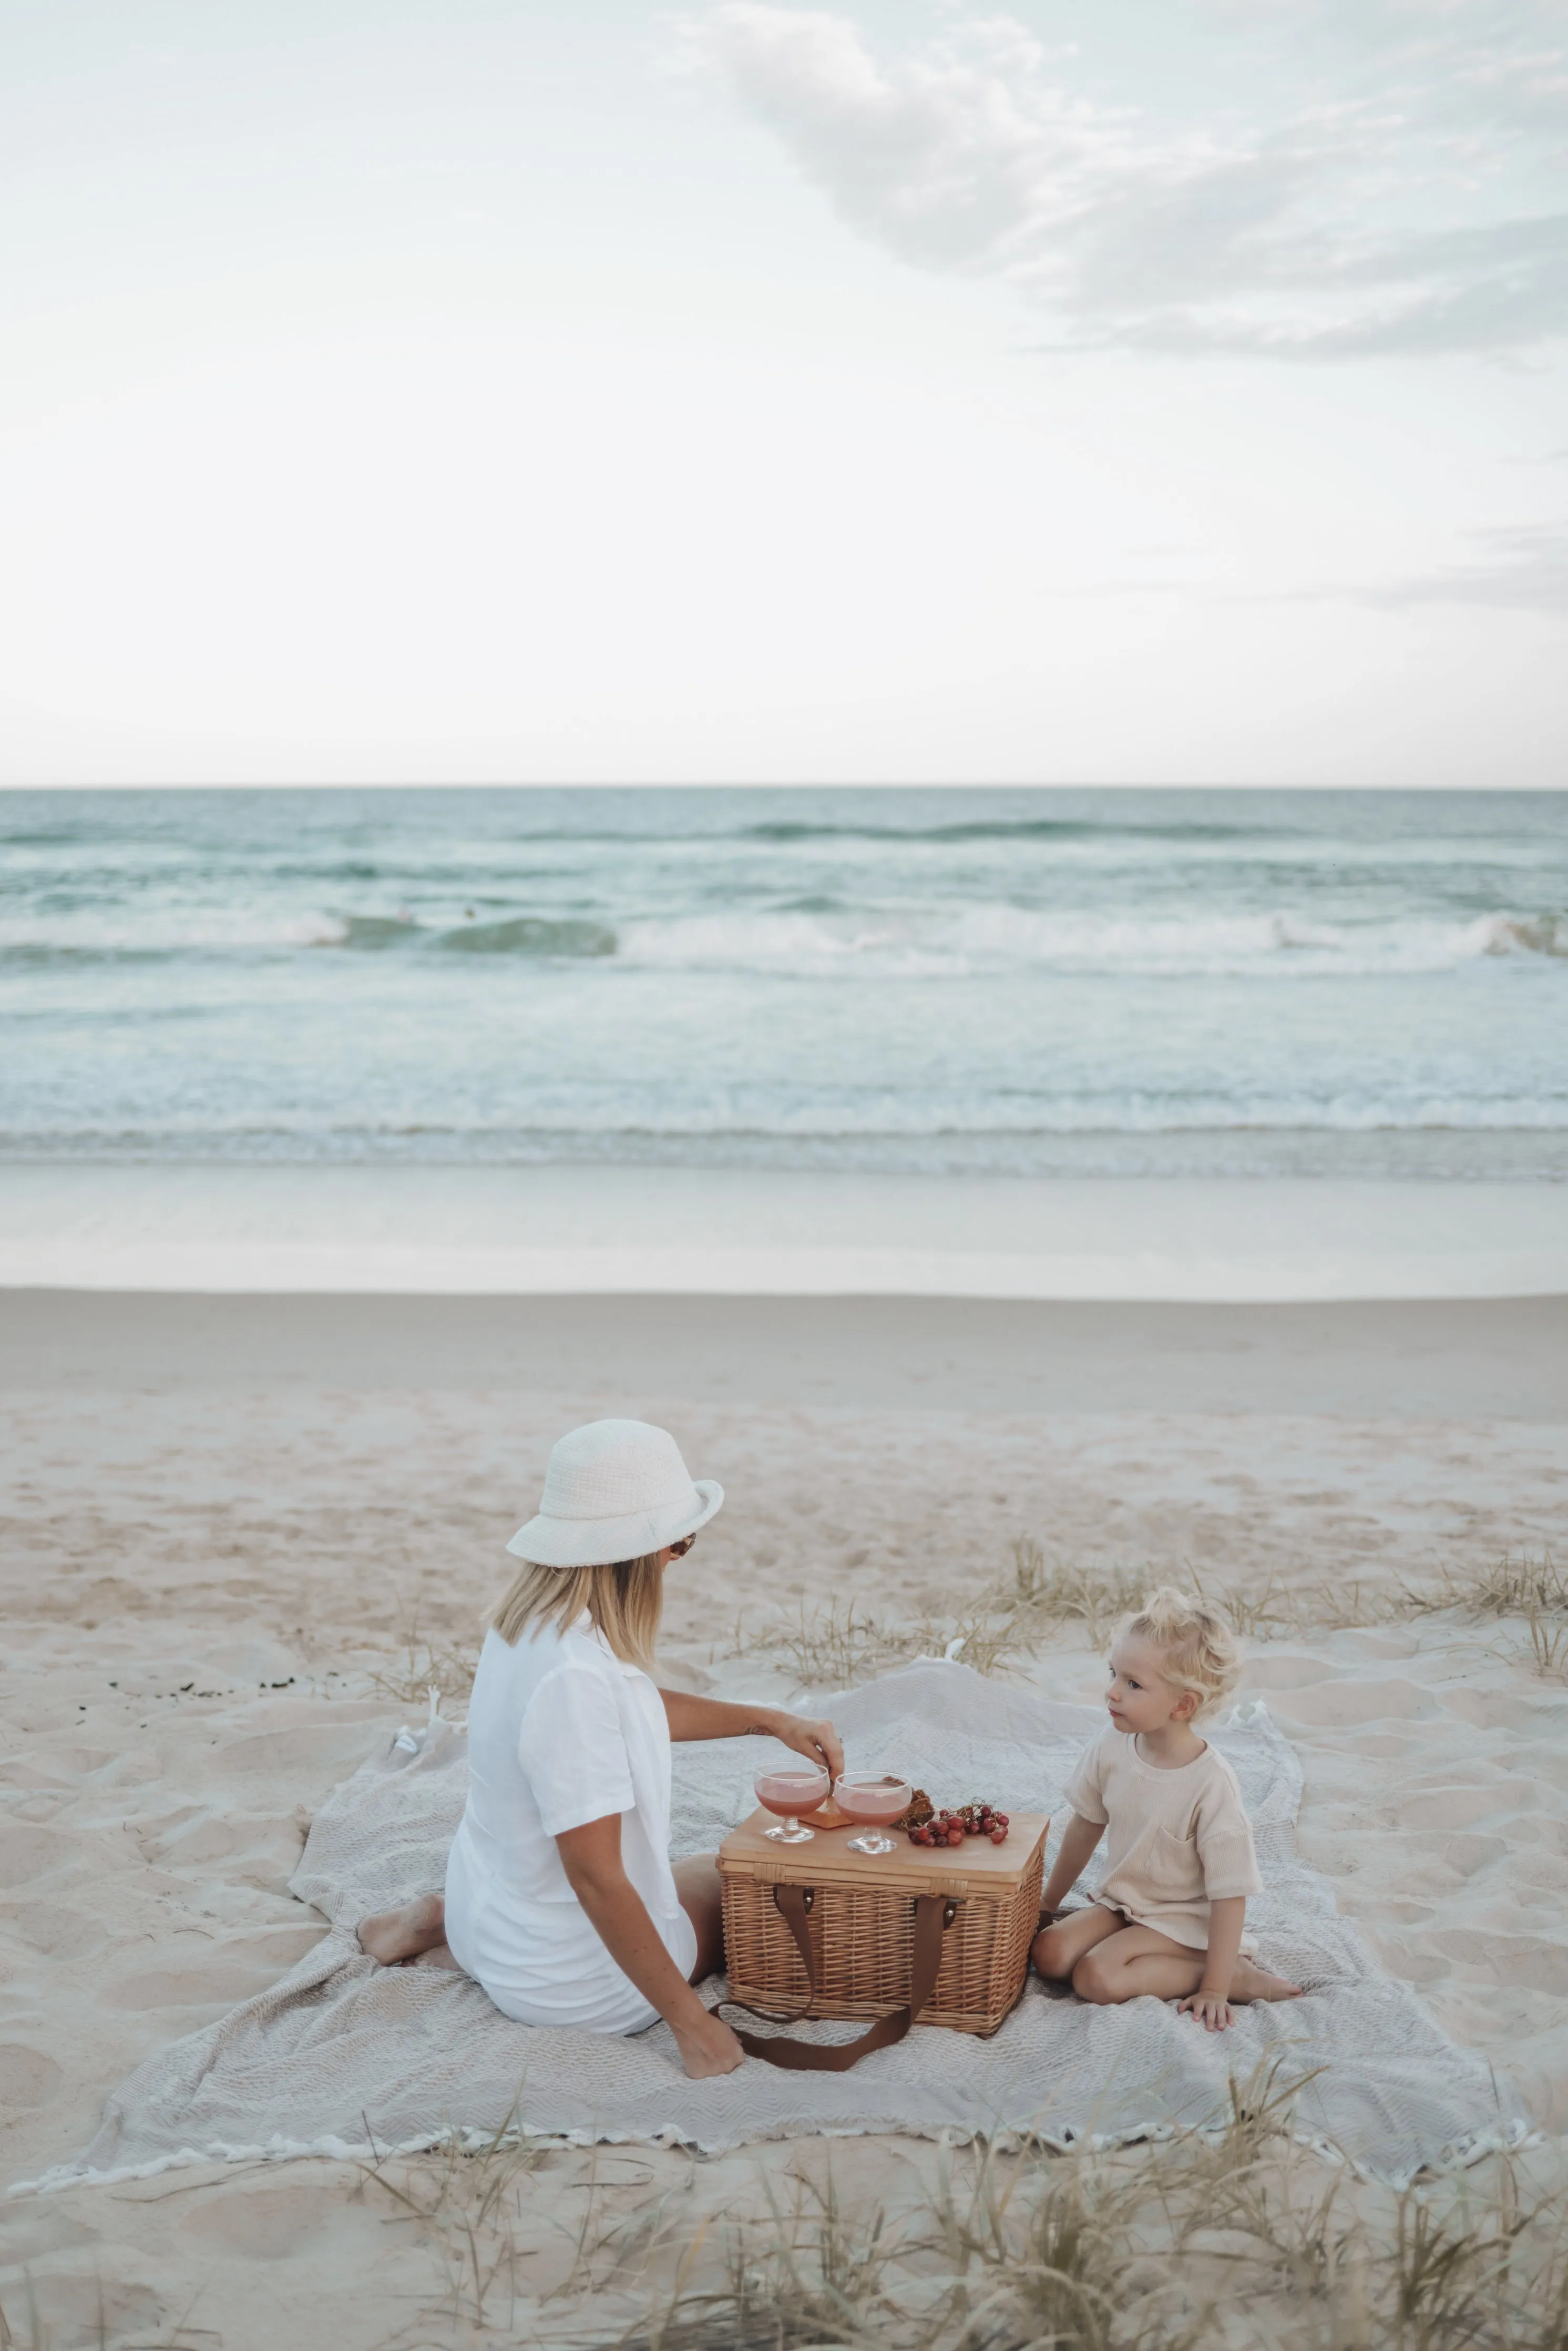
x,y
952,1828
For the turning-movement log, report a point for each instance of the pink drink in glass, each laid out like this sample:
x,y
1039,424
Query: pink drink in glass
x,y
788,1792
877,1798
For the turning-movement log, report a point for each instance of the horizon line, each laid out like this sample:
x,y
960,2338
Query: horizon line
x,y
732,784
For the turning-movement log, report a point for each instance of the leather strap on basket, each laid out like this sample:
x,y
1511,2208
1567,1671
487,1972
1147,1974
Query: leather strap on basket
x,y
933,1913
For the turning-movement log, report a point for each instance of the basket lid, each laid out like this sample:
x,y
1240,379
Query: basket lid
x,y
977,1867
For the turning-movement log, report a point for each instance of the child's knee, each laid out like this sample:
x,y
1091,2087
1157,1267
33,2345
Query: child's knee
x,y
1051,1956
1095,1978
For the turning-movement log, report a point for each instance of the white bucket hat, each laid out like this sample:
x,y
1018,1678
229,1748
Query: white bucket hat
x,y
614,1489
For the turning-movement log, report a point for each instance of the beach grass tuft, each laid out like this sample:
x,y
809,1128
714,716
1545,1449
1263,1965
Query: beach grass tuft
x,y
1237,2236
1042,1599
1085,2254
462,2202
1548,1646
836,1648
1513,1585
420,1665
1047,1595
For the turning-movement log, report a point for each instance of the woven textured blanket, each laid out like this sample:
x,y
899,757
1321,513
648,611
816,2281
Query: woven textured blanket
x,y
345,2058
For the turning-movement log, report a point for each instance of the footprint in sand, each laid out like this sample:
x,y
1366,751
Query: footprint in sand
x,y
26,1853
1339,1705
56,1929
235,1971
28,2077
266,2224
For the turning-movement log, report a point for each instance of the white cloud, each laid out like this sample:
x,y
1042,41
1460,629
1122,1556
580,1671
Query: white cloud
x,y
1520,567
1417,207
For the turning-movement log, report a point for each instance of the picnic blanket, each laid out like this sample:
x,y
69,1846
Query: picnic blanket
x,y
345,2058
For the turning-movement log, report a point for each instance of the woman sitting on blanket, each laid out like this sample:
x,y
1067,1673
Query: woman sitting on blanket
x,y
561,1900
1169,1915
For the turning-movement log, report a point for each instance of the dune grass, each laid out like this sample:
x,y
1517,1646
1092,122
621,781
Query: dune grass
x,y
1039,1601
839,1647
1548,1647
1509,1585
419,1666
461,2200
1043,1600
1238,2238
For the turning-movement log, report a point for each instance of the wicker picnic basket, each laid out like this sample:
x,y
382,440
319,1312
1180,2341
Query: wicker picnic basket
x,y
816,1930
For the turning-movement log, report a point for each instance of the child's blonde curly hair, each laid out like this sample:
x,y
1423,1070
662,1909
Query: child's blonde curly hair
x,y
1199,1651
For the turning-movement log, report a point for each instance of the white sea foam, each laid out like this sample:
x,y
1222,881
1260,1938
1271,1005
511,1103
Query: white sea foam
x,y
1281,943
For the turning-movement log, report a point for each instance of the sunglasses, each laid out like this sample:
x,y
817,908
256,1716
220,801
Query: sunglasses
x,y
679,1550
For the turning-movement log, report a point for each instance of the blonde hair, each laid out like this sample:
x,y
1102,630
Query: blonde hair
x,y
1199,1651
624,1601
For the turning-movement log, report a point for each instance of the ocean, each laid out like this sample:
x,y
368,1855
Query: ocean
x,y
1039,983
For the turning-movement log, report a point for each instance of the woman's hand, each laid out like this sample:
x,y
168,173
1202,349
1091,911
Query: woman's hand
x,y
819,1743
707,2046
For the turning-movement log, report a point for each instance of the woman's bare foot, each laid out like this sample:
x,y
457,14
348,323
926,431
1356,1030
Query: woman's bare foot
x,y
1253,1982
392,1935
438,1956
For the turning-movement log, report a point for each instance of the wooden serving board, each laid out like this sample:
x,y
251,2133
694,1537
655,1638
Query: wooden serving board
x,y
975,1867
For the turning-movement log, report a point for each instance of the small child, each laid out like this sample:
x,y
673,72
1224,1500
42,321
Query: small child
x,y
1168,1917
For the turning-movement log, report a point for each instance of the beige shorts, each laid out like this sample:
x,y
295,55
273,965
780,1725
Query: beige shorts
x,y
1247,1950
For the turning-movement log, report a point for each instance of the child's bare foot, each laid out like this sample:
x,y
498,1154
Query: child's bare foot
x,y
1253,1982
392,1935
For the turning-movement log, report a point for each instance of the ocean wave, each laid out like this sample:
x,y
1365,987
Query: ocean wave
x,y
161,937
166,937
992,938
1545,935
369,932
530,934
46,954
1004,829
576,1119
517,935
823,937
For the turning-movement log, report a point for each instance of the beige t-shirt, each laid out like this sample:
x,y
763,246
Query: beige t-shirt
x,y
1175,1841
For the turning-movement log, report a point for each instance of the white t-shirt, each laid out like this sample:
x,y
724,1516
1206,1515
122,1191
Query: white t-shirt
x,y
560,1732
1174,1841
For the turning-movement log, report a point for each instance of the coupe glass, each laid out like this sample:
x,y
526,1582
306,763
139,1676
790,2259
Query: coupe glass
x,y
876,1798
788,1791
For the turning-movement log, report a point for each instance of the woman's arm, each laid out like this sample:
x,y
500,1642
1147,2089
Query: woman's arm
x,y
1211,2003
716,1718
1079,1839
590,1856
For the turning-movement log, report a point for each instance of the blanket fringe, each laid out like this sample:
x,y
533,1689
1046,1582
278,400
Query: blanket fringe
x,y
1461,2156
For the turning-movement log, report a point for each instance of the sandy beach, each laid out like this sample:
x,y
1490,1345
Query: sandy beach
x,y
829,725
225,1518
494,1232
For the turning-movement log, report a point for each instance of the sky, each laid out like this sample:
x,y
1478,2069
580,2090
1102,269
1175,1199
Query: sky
x,y
500,390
